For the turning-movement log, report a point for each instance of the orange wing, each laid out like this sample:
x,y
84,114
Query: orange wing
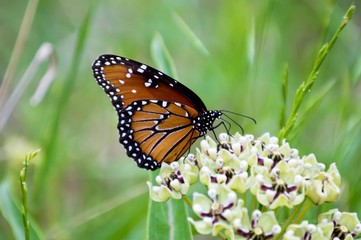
x,y
126,81
154,131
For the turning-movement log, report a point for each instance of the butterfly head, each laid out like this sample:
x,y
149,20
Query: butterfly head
x,y
204,122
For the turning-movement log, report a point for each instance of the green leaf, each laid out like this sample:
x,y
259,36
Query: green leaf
x,y
158,224
161,56
181,225
190,35
168,221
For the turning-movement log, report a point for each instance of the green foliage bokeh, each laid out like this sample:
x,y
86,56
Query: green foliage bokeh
x,y
235,62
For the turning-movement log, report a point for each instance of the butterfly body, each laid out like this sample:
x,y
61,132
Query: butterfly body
x,y
159,118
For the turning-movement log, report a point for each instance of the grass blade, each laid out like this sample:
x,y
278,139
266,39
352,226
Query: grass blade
x,y
161,56
18,48
284,95
51,138
44,53
197,43
308,83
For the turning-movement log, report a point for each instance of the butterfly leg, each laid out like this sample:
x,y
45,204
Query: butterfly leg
x,y
219,124
223,119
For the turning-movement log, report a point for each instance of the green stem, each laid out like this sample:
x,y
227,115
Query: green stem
x,y
263,208
24,202
187,200
289,220
24,192
307,85
303,212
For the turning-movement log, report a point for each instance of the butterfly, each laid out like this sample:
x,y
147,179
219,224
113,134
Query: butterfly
x,y
159,118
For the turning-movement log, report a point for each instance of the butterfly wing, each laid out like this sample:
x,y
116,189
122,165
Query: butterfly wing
x,y
126,81
156,113
156,131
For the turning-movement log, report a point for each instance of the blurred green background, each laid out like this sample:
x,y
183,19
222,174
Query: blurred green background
x,y
231,53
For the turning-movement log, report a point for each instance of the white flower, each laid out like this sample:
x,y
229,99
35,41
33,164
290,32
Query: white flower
x,y
282,186
346,225
260,226
305,230
217,211
321,186
174,180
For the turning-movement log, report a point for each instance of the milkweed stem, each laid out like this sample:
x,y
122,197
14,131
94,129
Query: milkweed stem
x,y
187,200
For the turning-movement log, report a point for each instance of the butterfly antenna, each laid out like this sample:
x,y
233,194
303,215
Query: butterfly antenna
x,y
239,125
238,114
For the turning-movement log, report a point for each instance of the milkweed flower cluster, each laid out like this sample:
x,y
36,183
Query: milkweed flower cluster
x,y
331,225
274,174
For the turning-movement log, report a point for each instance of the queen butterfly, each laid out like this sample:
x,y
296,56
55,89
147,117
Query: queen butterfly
x,y
159,118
